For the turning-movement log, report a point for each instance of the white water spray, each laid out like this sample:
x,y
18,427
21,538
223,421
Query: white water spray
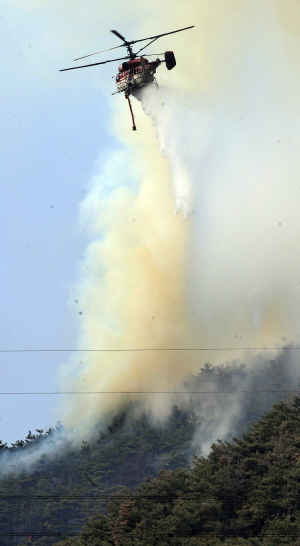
x,y
160,105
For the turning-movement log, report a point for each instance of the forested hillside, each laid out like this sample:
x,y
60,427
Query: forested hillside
x,y
63,491
244,493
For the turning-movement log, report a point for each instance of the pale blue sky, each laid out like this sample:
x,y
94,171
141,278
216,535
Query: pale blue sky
x,y
55,135
56,132
53,129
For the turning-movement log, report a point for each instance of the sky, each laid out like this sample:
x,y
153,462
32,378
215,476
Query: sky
x,y
54,131
57,131
91,251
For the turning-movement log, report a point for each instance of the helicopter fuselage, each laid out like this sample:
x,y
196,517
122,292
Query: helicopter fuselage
x,y
135,73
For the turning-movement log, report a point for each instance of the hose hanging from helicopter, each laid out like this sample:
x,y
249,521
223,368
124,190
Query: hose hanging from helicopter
x,y
136,71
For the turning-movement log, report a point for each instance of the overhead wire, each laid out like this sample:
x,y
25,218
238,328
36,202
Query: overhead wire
x,y
162,349
139,497
147,534
284,391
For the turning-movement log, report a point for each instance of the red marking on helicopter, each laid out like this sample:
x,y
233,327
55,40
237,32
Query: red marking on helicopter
x,y
137,71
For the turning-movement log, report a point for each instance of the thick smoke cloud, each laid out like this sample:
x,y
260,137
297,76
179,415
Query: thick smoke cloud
x,y
222,151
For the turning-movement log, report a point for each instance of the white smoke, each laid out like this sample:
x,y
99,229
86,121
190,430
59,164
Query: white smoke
x,y
229,277
227,124
168,115
51,445
233,155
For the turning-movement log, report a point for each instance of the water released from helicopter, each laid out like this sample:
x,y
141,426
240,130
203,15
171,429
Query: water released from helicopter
x,y
223,153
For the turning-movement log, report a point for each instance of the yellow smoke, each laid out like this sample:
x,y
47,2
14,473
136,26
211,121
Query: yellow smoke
x,y
229,276
133,293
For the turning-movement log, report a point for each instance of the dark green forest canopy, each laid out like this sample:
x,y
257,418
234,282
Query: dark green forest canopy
x,y
244,492
62,492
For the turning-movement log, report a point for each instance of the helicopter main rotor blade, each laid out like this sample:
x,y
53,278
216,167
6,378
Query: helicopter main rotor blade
x,y
144,47
93,64
103,51
119,36
126,43
159,35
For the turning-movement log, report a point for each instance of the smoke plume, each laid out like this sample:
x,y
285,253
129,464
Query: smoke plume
x,y
218,142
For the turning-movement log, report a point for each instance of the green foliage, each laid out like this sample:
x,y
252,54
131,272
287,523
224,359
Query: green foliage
x,y
244,493
65,491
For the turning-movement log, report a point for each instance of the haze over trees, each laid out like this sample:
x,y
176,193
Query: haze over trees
x,y
137,481
244,492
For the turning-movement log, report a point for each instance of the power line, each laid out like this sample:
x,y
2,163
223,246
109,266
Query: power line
x,y
286,496
183,349
147,534
294,391
135,497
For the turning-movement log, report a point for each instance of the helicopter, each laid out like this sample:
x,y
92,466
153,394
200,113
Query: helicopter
x,y
136,71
